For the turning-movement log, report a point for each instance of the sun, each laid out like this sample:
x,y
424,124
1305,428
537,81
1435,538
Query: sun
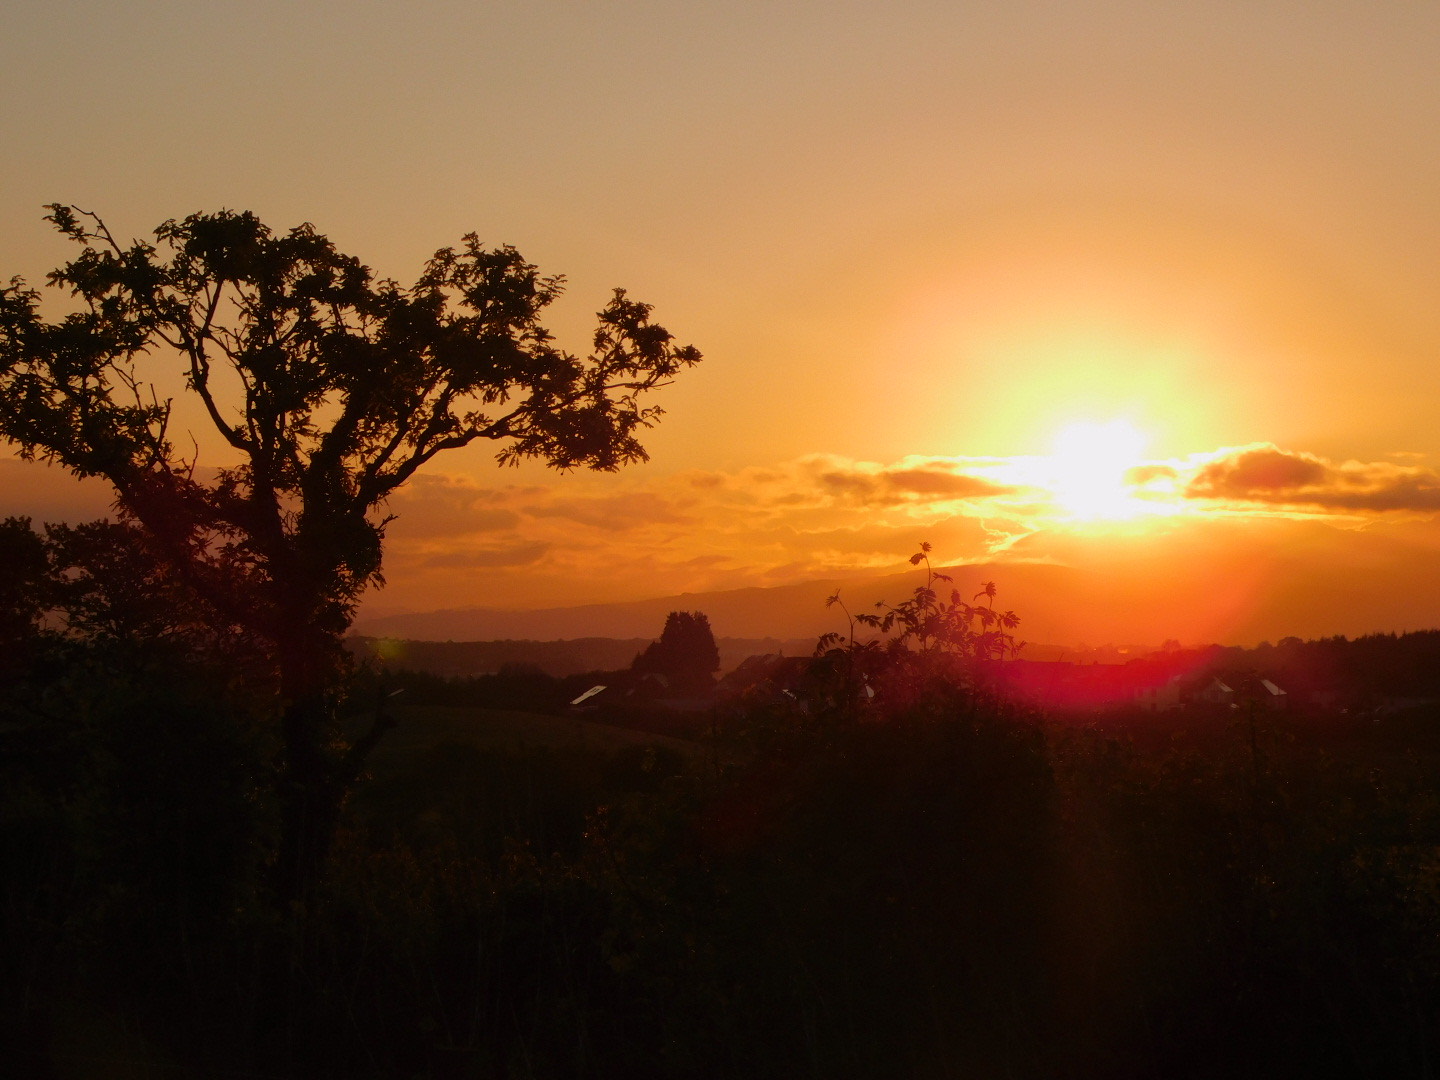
x,y
1086,472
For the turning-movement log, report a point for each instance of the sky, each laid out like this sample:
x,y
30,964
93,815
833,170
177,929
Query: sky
x,y
1144,290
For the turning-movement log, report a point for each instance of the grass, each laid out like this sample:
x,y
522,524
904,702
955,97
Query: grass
x,y
423,727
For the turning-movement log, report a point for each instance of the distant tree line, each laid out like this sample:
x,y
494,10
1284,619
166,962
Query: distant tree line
x,y
558,658
1352,672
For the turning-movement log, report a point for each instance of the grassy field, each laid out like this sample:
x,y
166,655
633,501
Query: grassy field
x,y
423,727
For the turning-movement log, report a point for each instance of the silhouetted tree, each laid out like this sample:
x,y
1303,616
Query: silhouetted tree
x,y
686,653
331,388
23,572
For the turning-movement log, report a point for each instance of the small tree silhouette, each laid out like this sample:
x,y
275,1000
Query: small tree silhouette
x,y
686,653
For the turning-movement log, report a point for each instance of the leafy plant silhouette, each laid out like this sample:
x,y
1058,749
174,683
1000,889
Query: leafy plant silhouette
x,y
928,623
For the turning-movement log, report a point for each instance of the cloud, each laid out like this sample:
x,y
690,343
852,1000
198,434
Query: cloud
x,y
908,481
1141,475
628,510
1263,473
705,480
1257,472
440,505
590,538
521,554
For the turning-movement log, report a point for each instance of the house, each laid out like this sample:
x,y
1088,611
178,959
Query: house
x,y
588,695
1217,692
1154,696
1272,695
804,681
766,676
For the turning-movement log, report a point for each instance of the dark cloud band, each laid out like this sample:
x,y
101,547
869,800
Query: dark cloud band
x,y
1264,473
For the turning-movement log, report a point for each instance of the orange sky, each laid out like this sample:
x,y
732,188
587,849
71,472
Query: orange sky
x,y
916,243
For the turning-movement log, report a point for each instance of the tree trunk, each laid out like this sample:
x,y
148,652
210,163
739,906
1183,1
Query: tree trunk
x,y
312,781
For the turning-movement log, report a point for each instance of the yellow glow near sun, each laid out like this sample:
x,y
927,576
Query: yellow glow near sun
x,y
1086,472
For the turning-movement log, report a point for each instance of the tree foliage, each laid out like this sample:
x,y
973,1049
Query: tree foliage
x,y
685,653
23,567
330,388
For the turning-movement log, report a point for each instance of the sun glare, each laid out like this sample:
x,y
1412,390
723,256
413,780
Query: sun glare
x,y
1087,469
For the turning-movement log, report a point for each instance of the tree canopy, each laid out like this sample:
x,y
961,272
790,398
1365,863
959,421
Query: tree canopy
x,y
329,386
685,654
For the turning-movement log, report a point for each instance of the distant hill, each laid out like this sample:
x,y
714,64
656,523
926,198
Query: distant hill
x,y
459,659
786,611
1210,581
1213,580
1054,603
781,612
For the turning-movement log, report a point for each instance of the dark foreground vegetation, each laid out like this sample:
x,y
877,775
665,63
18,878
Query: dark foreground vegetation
x,y
935,884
